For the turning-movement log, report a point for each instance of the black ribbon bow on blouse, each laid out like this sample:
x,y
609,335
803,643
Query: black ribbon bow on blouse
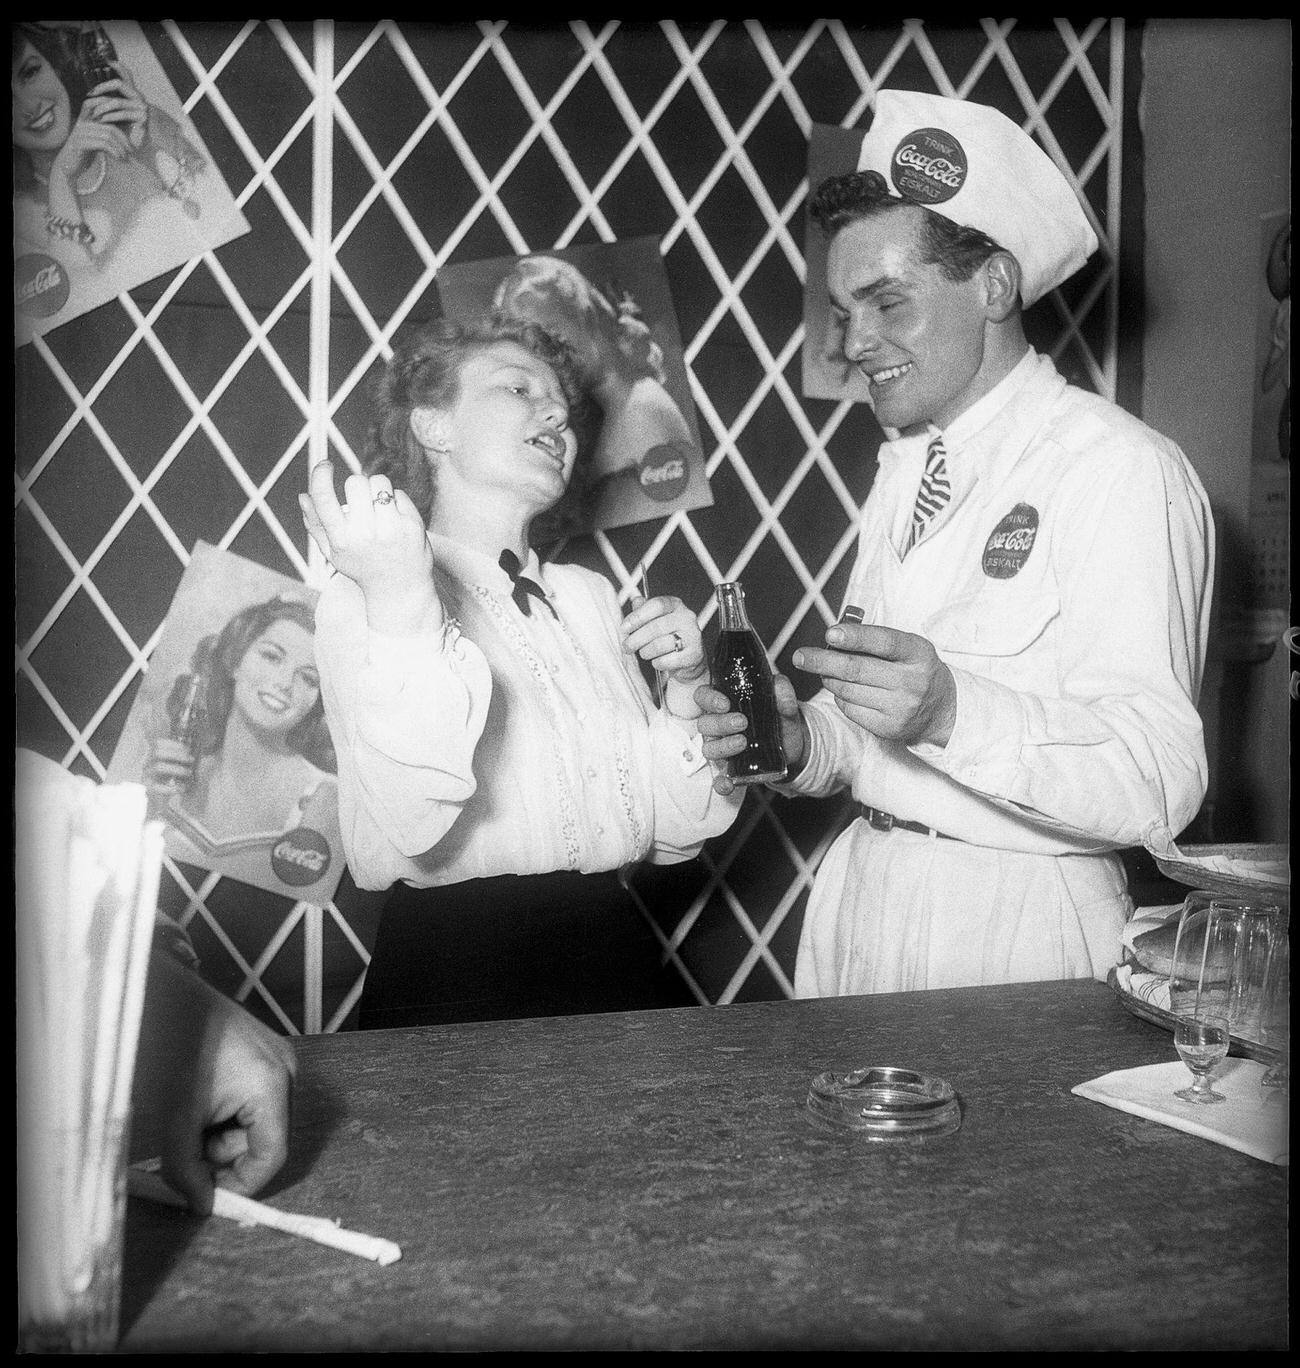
x,y
523,586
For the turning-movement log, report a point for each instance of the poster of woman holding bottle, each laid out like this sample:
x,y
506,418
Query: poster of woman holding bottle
x,y
112,183
228,734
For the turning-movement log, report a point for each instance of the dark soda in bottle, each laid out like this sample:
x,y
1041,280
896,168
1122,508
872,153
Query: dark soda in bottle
x,y
96,54
189,717
740,670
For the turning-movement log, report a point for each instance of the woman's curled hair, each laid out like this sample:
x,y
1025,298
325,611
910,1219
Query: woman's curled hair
x,y
424,372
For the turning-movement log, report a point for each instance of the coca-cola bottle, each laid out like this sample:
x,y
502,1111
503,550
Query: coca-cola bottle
x,y
740,670
97,55
189,717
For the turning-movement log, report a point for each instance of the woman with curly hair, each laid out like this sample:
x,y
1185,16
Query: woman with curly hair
x,y
249,751
501,757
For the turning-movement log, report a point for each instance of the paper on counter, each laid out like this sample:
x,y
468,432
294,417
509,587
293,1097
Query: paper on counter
x,y
141,1182
1254,1119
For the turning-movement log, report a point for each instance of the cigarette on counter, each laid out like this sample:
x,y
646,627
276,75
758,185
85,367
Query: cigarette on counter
x,y
143,1183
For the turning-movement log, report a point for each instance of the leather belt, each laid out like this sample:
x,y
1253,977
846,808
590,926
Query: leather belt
x,y
886,821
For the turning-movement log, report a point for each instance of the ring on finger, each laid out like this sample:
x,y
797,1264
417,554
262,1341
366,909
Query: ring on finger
x,y
384,497
678,643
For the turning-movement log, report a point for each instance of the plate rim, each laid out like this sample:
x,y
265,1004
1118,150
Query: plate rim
x,y
1165,1019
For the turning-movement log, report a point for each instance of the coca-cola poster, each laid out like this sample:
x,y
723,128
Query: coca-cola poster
x,y
826,374
113,186
227,731
640,456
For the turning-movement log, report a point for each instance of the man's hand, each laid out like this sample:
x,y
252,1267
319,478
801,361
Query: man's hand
x,y
724,730
890,683
212,1087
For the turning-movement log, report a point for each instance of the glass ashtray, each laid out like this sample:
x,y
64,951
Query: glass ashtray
x,y
884,1103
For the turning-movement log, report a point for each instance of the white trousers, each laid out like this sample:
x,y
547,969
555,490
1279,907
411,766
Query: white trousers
x,y
895,911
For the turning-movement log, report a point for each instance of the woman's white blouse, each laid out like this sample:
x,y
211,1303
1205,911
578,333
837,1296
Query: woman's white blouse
x,y
505,743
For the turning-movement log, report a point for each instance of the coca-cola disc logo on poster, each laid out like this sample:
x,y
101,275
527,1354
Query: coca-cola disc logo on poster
x,y
40,285
928,166
300,857
664,471
1007,550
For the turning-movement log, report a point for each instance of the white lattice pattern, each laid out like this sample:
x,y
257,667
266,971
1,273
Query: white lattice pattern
x,y
365,158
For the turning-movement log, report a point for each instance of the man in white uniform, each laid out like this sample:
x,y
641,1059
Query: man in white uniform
x,y
1033,577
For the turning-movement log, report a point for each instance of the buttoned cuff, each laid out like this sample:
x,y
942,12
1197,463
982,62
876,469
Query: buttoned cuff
x,y
984,750
685,743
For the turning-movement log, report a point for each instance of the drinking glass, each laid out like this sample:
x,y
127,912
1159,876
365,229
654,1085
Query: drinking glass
x,y
1201,1042
1222,954
1275,1016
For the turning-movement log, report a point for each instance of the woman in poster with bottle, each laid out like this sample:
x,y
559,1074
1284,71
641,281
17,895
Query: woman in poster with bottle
x,y
501,758
91,156
248,756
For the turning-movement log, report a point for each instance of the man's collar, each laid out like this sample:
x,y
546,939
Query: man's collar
x,y
967,424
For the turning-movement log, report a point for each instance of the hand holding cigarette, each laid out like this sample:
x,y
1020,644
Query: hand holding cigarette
x,y
143,1183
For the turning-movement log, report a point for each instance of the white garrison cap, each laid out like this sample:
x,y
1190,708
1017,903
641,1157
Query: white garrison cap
x,y
975,166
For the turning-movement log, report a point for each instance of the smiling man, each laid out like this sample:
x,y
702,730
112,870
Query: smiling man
x,y
1016,701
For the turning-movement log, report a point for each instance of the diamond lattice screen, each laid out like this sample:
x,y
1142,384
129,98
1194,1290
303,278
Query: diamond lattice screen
x,y
365,158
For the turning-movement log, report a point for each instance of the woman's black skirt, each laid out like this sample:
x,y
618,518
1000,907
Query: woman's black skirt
x,y
514,946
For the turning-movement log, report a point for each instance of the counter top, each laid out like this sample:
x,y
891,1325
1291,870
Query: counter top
x,y
651,1180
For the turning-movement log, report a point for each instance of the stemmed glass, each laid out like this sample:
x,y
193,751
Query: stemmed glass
x,y
1201,1042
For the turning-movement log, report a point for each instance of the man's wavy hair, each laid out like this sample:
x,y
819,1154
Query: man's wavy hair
x,y
424,372
958,252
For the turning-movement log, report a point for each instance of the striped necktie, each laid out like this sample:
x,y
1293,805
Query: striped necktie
x,y
934,492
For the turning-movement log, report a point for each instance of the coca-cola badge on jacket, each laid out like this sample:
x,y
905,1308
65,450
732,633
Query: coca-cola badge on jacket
x,y
1007,550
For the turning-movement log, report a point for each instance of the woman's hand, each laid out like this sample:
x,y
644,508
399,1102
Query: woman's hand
x,y
88,137
119,103
664,632
724,730
168,771
377,539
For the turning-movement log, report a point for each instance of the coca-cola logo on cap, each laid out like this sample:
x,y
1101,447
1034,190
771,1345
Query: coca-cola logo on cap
x,y
928,166
300,857
40,285
1007,550
664,470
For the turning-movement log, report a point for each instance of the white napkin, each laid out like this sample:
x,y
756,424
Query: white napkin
x,y
1254,1119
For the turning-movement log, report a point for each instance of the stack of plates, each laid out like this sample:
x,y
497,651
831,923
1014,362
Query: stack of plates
x,y
1235,870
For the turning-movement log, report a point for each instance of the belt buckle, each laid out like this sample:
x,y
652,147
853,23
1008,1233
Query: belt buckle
x,y
882,821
